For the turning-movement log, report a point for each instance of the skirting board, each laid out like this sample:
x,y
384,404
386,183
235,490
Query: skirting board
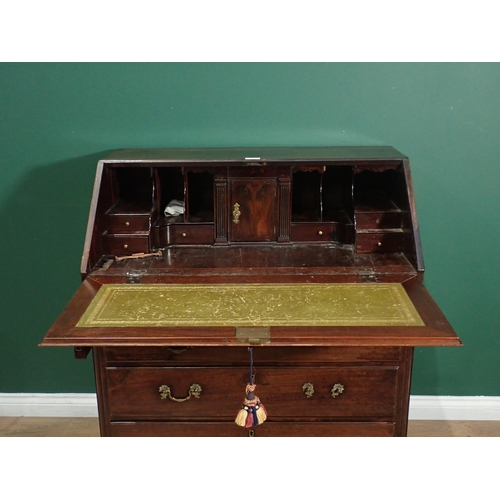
x,y
48,405
85,405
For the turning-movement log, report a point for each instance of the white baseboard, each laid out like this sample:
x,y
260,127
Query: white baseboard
x,y
48,405
85,405
454,408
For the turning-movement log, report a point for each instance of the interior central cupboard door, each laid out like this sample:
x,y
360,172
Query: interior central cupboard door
x,y
252,210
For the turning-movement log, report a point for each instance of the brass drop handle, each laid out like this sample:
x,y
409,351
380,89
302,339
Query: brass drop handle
x,y
236,213
308,389
336,390
194,390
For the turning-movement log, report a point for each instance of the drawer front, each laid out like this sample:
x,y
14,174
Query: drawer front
x,y
127,223
268,429
378,220
383,241
312,232
218,356
190,234
126,244
366,392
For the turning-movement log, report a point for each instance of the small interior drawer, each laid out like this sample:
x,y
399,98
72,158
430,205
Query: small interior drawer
x,y
127,223
388,241
307,231
187,234
126,244
378,220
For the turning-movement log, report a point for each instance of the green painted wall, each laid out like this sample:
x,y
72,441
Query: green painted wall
x,y
57,120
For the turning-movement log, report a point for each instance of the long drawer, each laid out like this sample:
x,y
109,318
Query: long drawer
x,y
217,356
135,393
268,429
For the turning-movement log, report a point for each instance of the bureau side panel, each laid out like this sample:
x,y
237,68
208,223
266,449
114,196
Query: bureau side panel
x,y
100,383
403,391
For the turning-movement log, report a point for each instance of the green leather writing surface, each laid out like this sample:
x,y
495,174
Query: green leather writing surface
x,y
251,305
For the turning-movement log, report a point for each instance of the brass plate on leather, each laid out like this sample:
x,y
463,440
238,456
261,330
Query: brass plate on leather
x,y
365,304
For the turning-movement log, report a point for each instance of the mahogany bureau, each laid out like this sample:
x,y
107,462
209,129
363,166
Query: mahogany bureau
x,y
311,257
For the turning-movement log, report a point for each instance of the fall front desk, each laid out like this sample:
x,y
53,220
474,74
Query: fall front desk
x,y
297,272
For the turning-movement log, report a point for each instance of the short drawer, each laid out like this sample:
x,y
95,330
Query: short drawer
x,y
333,392
187,234
126,244
380,241
378,220
307,231
268,429
127,223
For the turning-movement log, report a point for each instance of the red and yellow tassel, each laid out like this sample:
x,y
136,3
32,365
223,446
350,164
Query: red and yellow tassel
x,y
252,412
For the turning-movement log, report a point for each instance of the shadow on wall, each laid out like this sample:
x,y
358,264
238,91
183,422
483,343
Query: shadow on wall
x,y
43,230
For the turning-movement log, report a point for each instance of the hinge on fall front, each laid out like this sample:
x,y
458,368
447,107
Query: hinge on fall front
x,y
253,335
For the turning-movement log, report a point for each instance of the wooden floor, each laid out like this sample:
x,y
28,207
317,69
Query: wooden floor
x,y
89,427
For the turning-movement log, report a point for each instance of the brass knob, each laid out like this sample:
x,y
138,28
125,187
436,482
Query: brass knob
x,y
127,223
194,390
379,244
336,390
125,246
320,233
184,235
308,389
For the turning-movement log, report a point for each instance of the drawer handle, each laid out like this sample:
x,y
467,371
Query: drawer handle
x,y
194,390
179,350
308,389
236,213
336,390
